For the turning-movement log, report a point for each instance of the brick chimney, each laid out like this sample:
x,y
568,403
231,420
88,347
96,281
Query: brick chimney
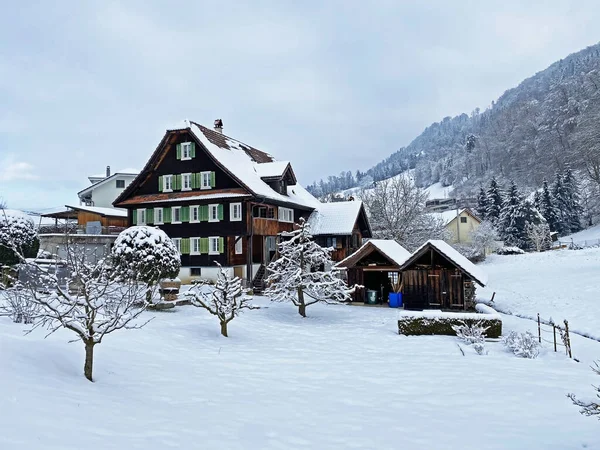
x,y
107,171
219,126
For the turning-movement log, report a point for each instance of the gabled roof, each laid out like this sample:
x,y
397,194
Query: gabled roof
x,y
393,251
337,218
104,181
276,170
452,255
241,161
448,216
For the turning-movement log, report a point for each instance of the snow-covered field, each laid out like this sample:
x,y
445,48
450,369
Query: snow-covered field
x,y
341,379
589,236
562,284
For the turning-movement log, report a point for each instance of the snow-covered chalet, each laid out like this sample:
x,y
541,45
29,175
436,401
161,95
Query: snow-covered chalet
x,y
224,201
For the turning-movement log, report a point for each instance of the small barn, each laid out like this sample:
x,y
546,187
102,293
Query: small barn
x,y
437,276
376,266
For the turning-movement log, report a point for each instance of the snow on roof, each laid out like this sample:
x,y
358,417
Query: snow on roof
x,y
447,216
236,158
334,218
453,255
113,212
122,172
388,247
272,169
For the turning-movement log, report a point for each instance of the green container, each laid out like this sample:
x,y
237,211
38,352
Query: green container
x,y
371,297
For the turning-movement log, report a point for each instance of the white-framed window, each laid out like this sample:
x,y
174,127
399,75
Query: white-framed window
x,y
186,181
205,180
177,242
286,214
186,150
176,211
213,213
194,214
167,183
238,245
194,246
141,217
158,216
213,245
235,212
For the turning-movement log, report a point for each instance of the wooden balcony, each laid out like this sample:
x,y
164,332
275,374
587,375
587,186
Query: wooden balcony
x,y
269,227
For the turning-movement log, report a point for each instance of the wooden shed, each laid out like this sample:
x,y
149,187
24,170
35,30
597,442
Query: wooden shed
x,y
375,265
437,276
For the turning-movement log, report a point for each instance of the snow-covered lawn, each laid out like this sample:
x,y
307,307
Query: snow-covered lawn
x,y
340,379
562,284
589,236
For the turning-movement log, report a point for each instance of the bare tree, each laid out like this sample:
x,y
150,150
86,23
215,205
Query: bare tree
x,y
589,408
224,300
539,235
396,208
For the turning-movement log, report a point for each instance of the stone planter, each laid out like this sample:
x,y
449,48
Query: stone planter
x,y
169,289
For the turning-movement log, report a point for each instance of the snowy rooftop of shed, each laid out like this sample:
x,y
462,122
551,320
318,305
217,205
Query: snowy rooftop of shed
x,y
334,218
111,212
447,216
388,247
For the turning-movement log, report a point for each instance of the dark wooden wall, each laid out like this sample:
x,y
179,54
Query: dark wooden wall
x,y
433,289
83,217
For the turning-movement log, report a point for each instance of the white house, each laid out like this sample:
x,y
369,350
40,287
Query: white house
x,y
106,188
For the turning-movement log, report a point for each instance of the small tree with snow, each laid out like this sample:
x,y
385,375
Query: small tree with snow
x,y
472,334
524,345
223,300
145,254
17,237
300,274
590,407
539,235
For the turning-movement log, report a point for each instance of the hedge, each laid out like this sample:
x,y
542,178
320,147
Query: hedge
x,y
428,324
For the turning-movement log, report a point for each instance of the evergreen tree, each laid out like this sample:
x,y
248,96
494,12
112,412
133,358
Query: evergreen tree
x,y
482,204
547,208
494,202
560,201
516,214
537,200
573,202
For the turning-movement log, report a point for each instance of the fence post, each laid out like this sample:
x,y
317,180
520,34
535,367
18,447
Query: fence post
x,y
554,329
539,329
568,338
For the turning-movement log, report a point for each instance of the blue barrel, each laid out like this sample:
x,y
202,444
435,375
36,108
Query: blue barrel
x,y
394,299
399,299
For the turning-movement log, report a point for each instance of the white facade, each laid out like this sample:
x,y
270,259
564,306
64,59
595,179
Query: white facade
x,y
104,193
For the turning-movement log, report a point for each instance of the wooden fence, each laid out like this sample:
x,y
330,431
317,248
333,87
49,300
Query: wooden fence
x,y
553,329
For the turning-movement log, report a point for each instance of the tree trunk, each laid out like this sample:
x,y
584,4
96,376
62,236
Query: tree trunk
x,y
89,360
149,293
224,329
302,305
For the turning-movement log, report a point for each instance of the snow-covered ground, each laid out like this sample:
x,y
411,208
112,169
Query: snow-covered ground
x,y
589,236
341,379
438,191
562,284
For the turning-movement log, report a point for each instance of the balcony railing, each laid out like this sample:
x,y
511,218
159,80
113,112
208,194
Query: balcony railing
x,y
80,229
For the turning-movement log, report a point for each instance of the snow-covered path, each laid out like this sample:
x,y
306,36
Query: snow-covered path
x,y
342,378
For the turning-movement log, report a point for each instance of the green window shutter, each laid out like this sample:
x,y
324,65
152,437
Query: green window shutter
x,y
150,216
220,211
178,151
185,213
160,183
167,215
193,181
196,176
193,150
203,245
134,217
221,244
178,182
212,179
203,213
185,246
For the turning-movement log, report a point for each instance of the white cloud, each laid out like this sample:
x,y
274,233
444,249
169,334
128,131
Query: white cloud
x,y
11,170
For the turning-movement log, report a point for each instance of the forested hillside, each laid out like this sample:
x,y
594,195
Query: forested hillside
x,y
548,122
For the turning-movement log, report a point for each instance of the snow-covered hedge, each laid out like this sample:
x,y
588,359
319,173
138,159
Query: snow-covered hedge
x,y
510,251
442,323
16,233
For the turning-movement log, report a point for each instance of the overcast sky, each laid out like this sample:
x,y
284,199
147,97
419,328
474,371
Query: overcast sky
x,y
329,85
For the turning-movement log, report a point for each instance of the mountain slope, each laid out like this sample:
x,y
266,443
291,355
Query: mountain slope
x,y
548,121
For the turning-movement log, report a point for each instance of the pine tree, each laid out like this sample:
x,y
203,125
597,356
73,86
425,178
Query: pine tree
x,y
494,202
573,202
516,214
482,204
301,276
560,201
537,200
547,208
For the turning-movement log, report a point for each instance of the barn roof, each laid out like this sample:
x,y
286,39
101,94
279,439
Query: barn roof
x,y
336,218
393,251
452,255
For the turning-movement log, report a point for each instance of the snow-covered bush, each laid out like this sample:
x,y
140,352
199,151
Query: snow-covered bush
x,y
589,407
145,254
524,345
17,237
510,251
301,271
224,300
470,333
17,304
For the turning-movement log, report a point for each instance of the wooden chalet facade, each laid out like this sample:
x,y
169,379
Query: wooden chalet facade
x,y
219,199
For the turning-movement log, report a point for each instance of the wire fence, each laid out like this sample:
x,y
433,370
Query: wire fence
x,y
578,245
557,331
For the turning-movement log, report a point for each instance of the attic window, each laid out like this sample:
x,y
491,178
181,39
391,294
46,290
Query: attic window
x,y
186,150
463,220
